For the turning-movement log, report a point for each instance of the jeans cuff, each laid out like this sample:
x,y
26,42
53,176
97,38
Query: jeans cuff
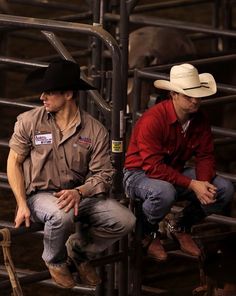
x,y
56,264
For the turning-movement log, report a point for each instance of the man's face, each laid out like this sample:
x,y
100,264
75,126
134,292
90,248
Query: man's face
x,y
53,101
185,103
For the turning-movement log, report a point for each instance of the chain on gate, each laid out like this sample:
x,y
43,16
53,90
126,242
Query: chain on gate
x,y
6,243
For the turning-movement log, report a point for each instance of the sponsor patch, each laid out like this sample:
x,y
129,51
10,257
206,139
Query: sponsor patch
x,y
85,140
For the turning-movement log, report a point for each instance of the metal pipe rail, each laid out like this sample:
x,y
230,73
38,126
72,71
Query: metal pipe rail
x,y
195,62
219,100
169,4
169,23
28,277
49,4
211,218
145,74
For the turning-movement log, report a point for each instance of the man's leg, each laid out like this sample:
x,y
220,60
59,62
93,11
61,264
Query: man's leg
x,y
58,226
157,198
103,221
195,212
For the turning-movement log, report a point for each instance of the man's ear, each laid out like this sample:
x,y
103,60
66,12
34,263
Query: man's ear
x,y
68,94
172,94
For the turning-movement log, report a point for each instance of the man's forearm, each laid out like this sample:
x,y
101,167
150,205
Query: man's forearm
x,y
16,177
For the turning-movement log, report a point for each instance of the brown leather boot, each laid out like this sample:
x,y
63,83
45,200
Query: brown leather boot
x,y
154,248
61,275
88,275
187,244
86,272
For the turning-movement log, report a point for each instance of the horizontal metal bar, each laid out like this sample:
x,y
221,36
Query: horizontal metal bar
x,y
26,277
196,62
211,218
3,143
23,230
51,4
146,74
52,25
169,23
153,290
221,219
168,4
3,176
223,131
14,103
4,185
219,100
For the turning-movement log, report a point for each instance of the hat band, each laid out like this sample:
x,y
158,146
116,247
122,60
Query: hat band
x,y
196,87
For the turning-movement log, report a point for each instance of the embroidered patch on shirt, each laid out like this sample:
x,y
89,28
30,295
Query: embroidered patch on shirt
x,y
85,140
43,139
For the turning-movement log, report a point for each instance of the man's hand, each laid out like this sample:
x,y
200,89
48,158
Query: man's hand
x,y
68,199
22,215
205,191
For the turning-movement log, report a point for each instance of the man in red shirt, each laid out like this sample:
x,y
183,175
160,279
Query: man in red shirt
x,y
163,140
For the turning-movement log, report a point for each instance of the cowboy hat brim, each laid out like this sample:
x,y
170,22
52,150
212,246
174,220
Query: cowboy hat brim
x,y
207,87
36,81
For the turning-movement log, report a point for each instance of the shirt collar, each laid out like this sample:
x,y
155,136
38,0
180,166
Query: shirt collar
x,y
171,114
52,115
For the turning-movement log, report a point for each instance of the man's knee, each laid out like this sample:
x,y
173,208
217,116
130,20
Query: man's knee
x,y
61,219
160,197
124,221
225,189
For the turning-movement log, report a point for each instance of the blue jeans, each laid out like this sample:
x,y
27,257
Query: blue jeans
x,y
104,219
158,196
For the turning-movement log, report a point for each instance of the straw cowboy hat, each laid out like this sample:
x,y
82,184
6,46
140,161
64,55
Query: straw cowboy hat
x,y
58,76
185,79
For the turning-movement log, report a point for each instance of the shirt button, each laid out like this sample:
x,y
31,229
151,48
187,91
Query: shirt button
x,y
62,171
61,157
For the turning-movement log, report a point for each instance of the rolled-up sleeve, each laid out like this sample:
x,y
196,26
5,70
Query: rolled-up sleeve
x,y
101,172
20,140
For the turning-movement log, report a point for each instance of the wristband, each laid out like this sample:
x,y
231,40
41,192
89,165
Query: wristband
x,y
80,193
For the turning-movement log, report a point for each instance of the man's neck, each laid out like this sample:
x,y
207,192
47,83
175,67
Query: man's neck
x,y
67,116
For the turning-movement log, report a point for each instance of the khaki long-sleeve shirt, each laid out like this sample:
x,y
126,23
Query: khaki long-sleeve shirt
x,y
80,158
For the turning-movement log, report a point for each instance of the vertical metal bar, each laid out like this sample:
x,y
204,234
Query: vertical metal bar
x,y
100,290
124,40
110,268
137,252
216,44
123,268
96,54
226,22
136,95
124,44
4,51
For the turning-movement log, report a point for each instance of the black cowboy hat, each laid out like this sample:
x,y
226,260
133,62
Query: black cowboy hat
x,y
58,76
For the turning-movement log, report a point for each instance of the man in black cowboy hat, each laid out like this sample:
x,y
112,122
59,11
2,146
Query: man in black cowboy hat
x,y
59,168
163,140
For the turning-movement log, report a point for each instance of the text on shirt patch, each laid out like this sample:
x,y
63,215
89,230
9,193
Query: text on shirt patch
x,y
43,139
85,140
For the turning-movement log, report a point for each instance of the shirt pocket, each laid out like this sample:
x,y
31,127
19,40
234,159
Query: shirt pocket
x,y
80,157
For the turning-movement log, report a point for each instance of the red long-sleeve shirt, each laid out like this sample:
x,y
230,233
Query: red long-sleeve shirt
x,y
159,146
